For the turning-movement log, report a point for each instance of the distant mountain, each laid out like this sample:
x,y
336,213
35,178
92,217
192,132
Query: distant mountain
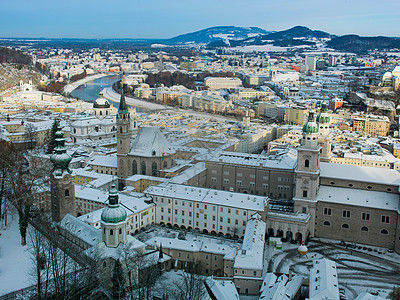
x,y
219,33
355,43
296,36
297,32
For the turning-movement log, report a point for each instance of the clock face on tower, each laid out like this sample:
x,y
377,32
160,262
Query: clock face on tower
x,y
65,178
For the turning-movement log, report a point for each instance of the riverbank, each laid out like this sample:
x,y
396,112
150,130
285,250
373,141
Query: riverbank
x,y
111,95
72,86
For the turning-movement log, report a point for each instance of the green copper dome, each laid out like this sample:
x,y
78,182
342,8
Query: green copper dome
x,y
60,158
323,117
113,213
311,126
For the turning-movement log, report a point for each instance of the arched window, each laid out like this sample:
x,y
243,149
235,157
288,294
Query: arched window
x,y
327,223
345,225
364,228
307,163
154,169
165,164
143,168
120,231
120,129
101,113
111,232
74,130
134,167
104,264
384,231
104,230
66,193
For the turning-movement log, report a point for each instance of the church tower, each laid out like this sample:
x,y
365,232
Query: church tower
x,y
113,221
324,120
307,171
61,181
123,134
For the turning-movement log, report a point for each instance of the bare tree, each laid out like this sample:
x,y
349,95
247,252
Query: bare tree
x,y
146,274
30,135
191,285
24,182
40,262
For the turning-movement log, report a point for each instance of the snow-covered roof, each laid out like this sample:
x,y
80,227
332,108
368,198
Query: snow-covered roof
x,y
251,254
222,289
282,160
368,296
356,197
217,197
84,231
104,161
323,280
197,245
102,251
360,173
131,203
280,288
150,142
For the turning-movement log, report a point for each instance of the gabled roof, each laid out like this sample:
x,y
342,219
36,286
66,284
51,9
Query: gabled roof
x,y
150,142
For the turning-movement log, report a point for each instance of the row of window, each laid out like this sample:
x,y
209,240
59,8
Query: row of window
x,y
285,179
205,206
364,216
364,228
221,219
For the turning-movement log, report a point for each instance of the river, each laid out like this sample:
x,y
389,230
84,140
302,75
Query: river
x,y
93,88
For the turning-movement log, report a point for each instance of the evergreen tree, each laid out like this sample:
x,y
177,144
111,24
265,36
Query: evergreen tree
x,y
52,138
118,282
395,293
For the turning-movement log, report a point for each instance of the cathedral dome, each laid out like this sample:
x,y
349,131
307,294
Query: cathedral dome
x,y
311,126
101,102
323,117
113,213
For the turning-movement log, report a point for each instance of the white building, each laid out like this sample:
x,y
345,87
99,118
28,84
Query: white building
x,y
207,210
222,82
323,280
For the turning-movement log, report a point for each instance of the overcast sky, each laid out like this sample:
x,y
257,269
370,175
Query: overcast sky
x,y
168,18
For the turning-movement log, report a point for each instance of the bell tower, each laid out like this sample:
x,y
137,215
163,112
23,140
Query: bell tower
x,y
113,221
308,170
123,133
61,181
324,120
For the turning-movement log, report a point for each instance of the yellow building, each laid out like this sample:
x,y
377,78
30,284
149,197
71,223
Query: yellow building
x,y
374,125
296,115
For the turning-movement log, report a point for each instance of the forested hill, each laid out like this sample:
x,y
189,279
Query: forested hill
x,y
8,55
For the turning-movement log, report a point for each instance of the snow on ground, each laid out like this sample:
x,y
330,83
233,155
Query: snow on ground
x,y
15,261
260,48
360,268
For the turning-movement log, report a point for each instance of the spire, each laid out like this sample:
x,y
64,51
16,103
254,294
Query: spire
x,y
122,104
113,195
60,158
324,107
113,213
160,254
